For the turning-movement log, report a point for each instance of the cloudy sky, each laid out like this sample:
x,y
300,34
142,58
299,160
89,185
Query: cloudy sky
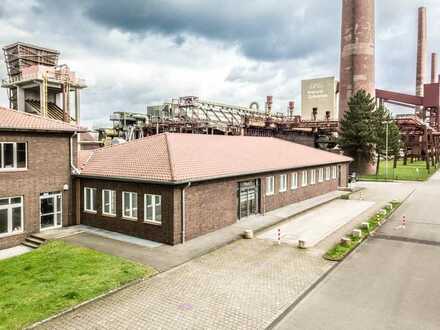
x,y
139,52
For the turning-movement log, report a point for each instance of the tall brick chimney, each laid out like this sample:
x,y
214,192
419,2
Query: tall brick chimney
x,y
434,67
357,69
421,51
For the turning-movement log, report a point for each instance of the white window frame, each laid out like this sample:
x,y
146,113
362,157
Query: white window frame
x,y
334,172
313,177
304,178
283,183
294,181
14,167
153,205
111,202
327,173
9,208
131,208
92,200
321,174
270,185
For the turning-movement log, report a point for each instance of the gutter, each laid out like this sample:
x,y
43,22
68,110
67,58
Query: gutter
x,y
183,213
74,168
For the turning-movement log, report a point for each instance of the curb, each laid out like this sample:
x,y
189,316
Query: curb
x,y
73,308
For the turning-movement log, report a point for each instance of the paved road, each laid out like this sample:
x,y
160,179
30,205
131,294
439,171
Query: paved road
x,y
391,282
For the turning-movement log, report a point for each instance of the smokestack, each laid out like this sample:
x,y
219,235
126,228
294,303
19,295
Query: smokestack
x,y
291,108
357,69
434,67
269,102
421,51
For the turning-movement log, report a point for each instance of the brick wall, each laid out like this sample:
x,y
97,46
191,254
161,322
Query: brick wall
x,y
210,206
161,233
48,171
280,199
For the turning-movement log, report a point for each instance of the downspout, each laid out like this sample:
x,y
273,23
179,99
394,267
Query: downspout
x,y
75,170
183,213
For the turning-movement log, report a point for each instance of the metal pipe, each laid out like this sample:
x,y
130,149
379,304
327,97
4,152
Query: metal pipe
x,y
183,232
75,169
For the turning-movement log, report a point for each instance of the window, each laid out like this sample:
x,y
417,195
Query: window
x,y
304,180
334,172
129,205
283,183
321,174
327,173
90,199
294,183
312,176
109,202
12,155
11,215
270,185
153,208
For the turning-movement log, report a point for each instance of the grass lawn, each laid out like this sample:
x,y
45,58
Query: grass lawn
x,y
56,276
402,172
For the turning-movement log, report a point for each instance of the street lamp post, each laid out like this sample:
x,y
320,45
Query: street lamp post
x,y
386,153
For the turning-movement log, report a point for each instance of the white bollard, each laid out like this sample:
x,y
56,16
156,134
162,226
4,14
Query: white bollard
x,y
357,233
301,244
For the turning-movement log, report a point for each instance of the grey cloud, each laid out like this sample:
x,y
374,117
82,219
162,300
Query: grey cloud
x,y
282,30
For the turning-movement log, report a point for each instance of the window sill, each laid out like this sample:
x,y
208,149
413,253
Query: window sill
x,y
283,191
108,215
130,219
15,233
270,194
151,222
9,170
90,212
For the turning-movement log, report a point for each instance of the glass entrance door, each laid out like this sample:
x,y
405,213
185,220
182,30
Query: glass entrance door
x,y
248,199
51,214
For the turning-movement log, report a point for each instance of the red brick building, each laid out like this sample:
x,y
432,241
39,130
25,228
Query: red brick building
x,y
175,187
35,175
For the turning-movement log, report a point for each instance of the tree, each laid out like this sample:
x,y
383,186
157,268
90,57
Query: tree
x,y
357,136
381,117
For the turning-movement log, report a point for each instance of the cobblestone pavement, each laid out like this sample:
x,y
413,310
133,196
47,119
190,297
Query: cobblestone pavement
x,y
244,285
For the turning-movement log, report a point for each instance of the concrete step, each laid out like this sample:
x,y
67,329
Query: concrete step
x,y
33,240
31,245
36,239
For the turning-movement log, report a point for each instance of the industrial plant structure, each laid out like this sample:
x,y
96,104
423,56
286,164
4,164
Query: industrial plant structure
x,y
37,84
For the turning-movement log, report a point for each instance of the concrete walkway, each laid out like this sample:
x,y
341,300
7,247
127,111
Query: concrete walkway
x,y
165,257
14,251
317,224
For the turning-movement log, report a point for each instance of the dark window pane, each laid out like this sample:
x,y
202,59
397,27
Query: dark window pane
x,y
94,199
8,152
3,221
47,206
4,201
16,200
21,155
47,221
158,209
16,219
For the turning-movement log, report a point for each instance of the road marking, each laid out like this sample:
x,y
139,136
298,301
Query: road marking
x,y
407,240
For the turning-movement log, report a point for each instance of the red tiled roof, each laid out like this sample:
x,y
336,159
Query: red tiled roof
x,y
175,158
17,120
